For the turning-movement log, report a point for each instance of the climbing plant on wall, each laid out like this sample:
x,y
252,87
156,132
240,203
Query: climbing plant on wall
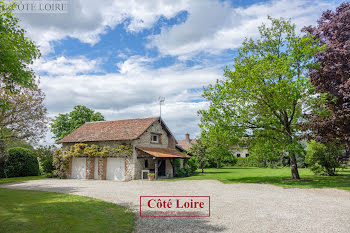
x,y
61,163
82,149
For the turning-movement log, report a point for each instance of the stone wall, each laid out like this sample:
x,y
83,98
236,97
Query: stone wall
x,y
69,175
90,168
102,168
171,142
145,138
168,169
129,168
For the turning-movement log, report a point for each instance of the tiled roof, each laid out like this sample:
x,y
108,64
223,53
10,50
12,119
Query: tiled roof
x,y
128,129
163,152
185,144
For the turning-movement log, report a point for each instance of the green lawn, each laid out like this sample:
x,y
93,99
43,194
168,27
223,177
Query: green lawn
x,y
18,179
35,211
274,176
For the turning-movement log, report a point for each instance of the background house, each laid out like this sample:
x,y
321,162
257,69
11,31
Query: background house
x,y
185,144
152,143
240,151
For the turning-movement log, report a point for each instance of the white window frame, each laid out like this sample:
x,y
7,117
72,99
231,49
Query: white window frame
x,y
157,141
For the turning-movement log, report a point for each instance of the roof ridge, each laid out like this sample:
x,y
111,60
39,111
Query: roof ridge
x,y
91,122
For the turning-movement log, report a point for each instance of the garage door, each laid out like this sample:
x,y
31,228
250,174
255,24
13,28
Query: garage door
x,y
79,168
115,169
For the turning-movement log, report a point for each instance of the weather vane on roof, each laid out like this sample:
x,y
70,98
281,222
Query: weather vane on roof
x,y
161,101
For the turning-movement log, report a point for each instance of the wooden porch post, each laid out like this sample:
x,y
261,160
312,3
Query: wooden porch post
x,y
156,168
172,162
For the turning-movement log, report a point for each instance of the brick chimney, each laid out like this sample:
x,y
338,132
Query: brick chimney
x,y
187,140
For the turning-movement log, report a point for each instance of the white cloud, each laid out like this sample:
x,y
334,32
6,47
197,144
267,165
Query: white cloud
x,y
213,26
134,92
86,20
67,66
134,64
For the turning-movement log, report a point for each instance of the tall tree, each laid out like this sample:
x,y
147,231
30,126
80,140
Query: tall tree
x,y
64,124
26,119
332,78
264,96
17,53
217,140
198,149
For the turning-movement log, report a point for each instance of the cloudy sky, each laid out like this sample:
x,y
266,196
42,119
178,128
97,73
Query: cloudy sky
x,y
117,57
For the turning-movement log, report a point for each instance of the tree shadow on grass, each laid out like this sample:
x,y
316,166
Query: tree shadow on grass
x,y
214,172
236,168
341,182
37,211
58,189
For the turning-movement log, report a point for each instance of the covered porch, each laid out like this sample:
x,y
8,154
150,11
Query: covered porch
x,y
159,160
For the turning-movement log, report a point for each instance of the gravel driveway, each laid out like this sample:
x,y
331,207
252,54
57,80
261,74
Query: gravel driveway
x,y
234,207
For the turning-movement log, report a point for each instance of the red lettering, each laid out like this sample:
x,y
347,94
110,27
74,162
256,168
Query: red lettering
x,y
189,204
149,203
201,204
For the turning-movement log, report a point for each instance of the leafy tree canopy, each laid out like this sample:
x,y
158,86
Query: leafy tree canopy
x,y
217,141
17,53
332,78
198,150
64,124
264,96
26,119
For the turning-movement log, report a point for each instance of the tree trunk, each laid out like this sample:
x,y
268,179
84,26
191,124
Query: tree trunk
x,y
2,150
3,157
218,165
294,167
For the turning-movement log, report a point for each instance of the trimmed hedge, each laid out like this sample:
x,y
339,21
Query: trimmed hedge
x,y
21,162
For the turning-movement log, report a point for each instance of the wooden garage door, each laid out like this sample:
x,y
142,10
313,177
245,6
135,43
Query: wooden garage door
x,y
115,169
79,168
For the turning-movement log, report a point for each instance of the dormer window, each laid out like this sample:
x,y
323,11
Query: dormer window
x,y
155,138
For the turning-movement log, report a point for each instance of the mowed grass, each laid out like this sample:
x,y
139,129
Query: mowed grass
x,y
19,179
274,176
36,211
